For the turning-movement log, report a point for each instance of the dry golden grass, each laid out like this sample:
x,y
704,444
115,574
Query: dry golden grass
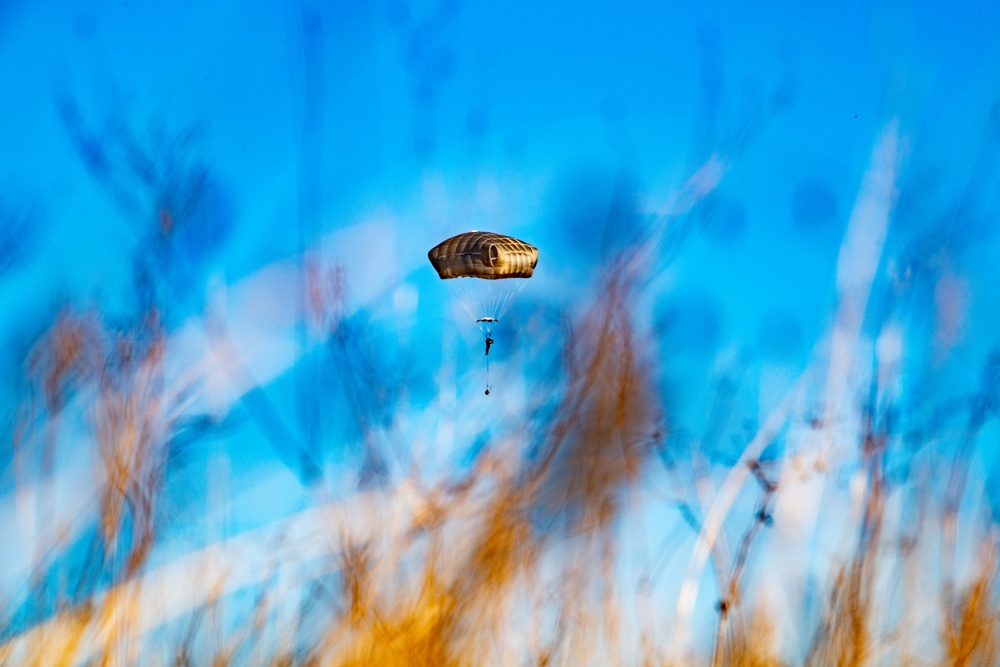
x,y
755,646
971,627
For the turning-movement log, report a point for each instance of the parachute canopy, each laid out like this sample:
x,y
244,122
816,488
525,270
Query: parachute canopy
x,y
483,255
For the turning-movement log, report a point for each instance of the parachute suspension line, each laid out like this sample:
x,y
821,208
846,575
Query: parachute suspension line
x,y
485,299
508,298
488,376
490,299
470,295
466,296
501,298
494,296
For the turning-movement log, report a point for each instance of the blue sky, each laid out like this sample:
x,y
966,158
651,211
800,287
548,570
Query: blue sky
x,y
366,132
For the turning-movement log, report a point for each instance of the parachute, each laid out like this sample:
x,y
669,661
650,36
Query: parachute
x,y
481,268
491,261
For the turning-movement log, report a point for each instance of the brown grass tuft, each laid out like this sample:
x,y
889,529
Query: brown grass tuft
x,y
971,628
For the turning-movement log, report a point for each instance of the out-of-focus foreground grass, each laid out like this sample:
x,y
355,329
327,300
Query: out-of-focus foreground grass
x,y
519,559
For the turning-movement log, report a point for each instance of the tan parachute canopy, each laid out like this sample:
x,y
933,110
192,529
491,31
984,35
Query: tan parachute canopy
x,y
483,255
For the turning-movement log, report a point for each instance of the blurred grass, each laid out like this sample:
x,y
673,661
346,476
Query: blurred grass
x,y
530,556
